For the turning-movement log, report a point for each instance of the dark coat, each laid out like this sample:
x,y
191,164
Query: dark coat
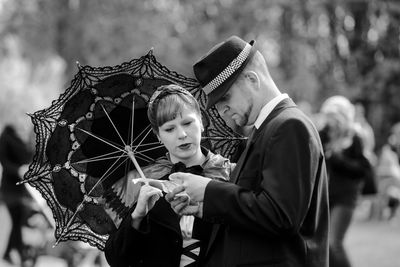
x,y
157,243
347,172
13,154
275,213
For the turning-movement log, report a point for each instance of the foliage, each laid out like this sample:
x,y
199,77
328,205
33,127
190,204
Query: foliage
x,y
314,48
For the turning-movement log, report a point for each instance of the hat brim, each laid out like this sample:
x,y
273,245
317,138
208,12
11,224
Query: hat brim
x,y
220,91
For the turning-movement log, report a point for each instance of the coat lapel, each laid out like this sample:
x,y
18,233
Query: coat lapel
x,y
286,103
239,164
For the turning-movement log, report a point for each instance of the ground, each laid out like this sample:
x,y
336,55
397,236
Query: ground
x,y
374,243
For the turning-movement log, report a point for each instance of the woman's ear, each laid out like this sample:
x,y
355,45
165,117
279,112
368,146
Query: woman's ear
x,y
159,139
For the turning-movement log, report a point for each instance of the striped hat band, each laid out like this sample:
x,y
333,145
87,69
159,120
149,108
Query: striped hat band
x,y
229,70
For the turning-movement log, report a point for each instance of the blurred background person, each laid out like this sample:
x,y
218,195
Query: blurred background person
x,y
5,225
365,132
14,157
388,173
346,166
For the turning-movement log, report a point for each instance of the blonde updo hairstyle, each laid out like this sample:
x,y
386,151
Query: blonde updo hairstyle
x,y
167,102
340,107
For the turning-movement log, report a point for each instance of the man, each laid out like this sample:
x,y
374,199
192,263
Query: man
x,y
275,210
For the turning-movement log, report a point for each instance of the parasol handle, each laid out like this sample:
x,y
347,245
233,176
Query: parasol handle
x,y
132,157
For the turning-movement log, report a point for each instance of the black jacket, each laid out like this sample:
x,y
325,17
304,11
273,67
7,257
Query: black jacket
x,y
275,212
13,154
157,243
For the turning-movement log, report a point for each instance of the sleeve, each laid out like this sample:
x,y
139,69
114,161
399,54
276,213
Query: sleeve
x,y
124,244
279,202
351,161
218,168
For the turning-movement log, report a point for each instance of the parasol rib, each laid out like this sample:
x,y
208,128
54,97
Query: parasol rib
x,y
148,149
93,159
224,138
147,130
132,118
113,125
101,139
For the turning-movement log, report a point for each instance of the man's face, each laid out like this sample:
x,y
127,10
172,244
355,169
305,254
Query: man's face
x,y
237,103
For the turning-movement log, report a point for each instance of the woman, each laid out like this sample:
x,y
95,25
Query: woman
x,y
347,167
153,235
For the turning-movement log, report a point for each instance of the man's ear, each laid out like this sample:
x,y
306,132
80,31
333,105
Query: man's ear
x,y
253,78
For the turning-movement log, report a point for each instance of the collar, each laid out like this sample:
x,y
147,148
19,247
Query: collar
x,y
267,109
207,153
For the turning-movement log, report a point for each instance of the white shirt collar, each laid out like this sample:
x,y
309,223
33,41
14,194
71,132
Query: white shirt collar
x,y
267,109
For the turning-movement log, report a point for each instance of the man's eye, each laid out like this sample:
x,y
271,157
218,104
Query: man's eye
x,y
224,98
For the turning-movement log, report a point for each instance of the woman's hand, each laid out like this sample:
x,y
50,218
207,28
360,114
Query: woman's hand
x,y
148,196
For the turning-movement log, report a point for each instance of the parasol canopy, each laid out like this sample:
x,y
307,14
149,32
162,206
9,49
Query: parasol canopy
x,y
96,132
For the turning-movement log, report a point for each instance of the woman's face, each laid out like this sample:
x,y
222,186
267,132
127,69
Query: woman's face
x,y
181,136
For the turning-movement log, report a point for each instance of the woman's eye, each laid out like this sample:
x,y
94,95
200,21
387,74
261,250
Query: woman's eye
x,y
168,129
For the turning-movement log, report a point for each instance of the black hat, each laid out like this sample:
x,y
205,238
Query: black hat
x,y
221,66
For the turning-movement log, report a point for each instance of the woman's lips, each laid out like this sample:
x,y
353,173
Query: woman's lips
x,y
185,146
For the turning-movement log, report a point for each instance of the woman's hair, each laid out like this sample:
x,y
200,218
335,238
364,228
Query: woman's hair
x,y
341,106
167,103
343,110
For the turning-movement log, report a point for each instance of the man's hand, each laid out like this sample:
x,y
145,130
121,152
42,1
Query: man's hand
x,y
182,205
194,185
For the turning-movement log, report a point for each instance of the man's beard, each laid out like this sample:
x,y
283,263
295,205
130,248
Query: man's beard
x,y
244,119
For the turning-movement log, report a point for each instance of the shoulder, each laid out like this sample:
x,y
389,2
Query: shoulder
x,y
217,167
290,121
